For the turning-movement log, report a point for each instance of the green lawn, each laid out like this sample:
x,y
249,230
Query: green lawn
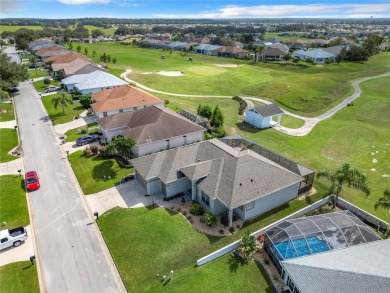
x,y
37,73
8,141
57,115
348,136
291,122
73,134
13,207
40,85
12,28
310,90
8,112
158,241
269,35
19,277
90,172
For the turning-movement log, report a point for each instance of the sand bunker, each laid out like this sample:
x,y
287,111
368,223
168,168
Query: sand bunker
x,y
171,73
167,73
227,65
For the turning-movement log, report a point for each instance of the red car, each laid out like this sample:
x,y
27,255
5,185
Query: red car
x,y
31,181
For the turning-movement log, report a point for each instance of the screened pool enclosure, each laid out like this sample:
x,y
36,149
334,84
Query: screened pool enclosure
x,y
306,236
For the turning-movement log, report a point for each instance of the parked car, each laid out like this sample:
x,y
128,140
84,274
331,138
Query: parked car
x,y
87,139
31,180
32,66
12,237
51,89
14,89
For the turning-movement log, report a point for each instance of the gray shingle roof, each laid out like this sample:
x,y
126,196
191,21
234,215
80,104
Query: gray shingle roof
x,y
361,268
95,79
269,110
234,177
150,124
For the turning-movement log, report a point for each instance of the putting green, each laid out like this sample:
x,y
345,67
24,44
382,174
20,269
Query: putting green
x,y
207,70
344,143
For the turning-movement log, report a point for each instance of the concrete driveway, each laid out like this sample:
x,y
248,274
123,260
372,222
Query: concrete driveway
x,y
21,253
8,124
126,195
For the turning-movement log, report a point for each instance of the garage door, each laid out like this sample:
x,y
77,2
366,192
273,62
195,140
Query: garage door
x,y
154,186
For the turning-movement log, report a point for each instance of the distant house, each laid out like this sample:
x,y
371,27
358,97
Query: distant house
x,y
385,46
319,56
39,44
319,42
124,98
272,54
67,69
176,46
92,82
261,116
206,49
272,40
52,48
71,56
295,44
231,52
237,44
280,46
219,177
335,50
153,129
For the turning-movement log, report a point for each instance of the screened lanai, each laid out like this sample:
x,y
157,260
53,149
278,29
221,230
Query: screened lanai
x,y
306,236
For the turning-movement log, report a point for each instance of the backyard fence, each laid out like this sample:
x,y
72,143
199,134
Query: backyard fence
x,y
375,221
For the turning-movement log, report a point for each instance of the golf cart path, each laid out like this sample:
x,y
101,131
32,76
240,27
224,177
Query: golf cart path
x,y
309,122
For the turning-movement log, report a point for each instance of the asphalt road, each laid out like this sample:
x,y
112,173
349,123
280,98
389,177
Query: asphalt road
x,y
70,256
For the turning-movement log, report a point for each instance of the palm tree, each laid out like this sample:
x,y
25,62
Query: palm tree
x,y
353,177
384,202
248,246
63,99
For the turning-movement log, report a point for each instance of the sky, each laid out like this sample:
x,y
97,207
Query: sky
x,y
212,9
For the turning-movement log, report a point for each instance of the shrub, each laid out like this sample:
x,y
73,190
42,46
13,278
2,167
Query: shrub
x,y
178,209
221,231
225,219
210,219
103,151
266,261
202,220
238,226
86,101
87,151
94,149
196,209
189,218
242,105
83,130
46,81
184,213
231,229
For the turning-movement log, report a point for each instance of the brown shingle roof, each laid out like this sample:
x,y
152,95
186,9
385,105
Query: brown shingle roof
x,y
230,49
66,58
122,97
71,67
150,124
49,49
273,52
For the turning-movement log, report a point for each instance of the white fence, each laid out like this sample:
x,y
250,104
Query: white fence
x,y
234,245
362,214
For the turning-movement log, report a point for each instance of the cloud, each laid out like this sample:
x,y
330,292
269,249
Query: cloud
x,y
78,2
275,11
10,6
127,3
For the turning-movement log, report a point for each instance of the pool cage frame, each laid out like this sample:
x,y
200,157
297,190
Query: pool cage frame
x,y
338,230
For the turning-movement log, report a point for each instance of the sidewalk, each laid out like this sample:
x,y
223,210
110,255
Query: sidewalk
x,y
11,167
77,123
8,124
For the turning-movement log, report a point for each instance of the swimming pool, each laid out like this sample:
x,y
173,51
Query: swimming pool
x,y
285,250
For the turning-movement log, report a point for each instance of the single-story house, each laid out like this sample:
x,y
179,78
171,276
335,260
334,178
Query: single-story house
x,y
39,44
124,98
219,177
230,51
319,42
71,56
261,116
295,44
90,83
272,54
53,53
89,68
385,46
67,69
319,56
334,50
237,44
206,49
52,48
153,129
280,46
176,46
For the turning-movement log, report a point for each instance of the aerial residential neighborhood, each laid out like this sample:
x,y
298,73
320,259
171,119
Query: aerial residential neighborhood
x,y
193,147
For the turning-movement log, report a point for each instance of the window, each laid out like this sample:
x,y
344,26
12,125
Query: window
x,y
4,240
250,206
120,110
104,114
205,199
